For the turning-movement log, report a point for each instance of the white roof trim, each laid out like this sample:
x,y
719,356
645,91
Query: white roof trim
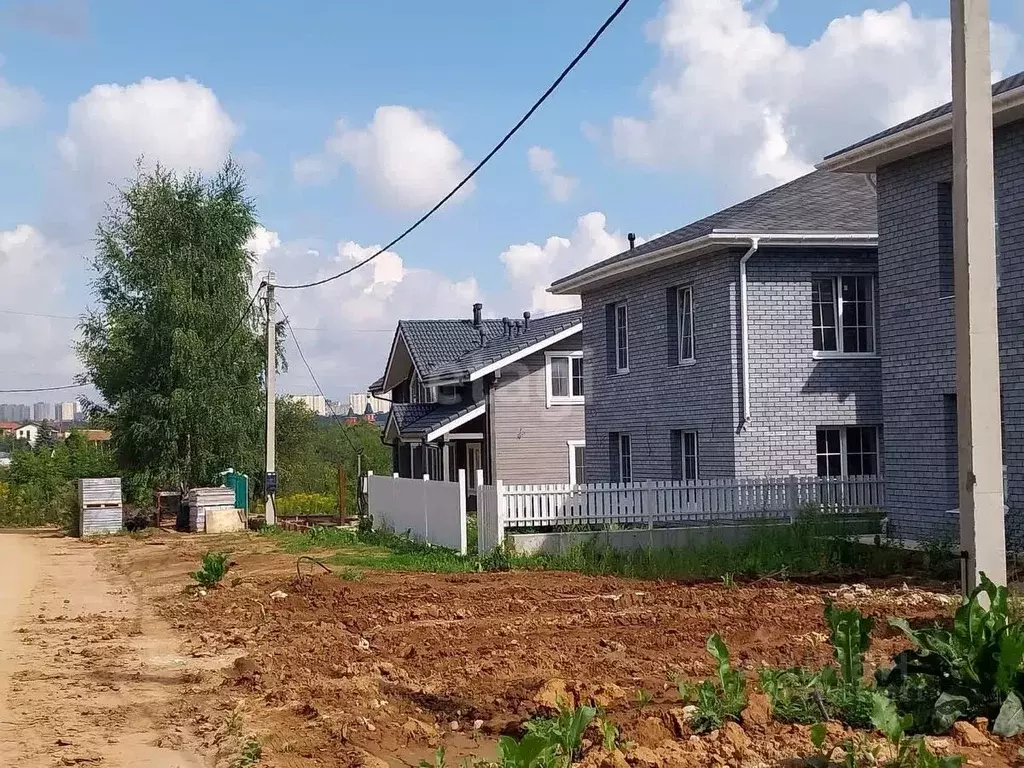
x,y
540,345
716,240
463,419
391,356
936,132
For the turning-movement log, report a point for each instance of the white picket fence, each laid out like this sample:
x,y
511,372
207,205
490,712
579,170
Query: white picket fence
x,y
429,510
665,503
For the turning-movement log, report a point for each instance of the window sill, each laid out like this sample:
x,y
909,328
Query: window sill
x,y
623,372
565,401
845,355
684,363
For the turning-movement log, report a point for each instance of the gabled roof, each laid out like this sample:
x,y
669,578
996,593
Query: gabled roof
x,y
451,350
819,203
495,350
926,131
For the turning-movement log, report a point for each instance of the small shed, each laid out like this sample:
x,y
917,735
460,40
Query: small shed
x,y
100,510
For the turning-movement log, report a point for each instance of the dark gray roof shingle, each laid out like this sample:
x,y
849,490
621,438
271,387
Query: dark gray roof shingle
x,y
1003,86
819,202
418,419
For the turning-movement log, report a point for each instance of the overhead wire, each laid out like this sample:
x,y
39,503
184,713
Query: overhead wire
x,y
497,148
42,389
245,314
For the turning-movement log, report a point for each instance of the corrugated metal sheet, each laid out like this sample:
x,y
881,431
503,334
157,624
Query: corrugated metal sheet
x,y
99,504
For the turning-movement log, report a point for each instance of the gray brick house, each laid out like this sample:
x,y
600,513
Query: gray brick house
x,y
493,394
684,383
912,163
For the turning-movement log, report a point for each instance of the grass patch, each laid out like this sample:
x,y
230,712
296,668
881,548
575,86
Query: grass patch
x,y
815,547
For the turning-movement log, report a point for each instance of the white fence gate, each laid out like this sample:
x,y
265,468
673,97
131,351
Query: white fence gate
x,y
489,528
429,510
658,503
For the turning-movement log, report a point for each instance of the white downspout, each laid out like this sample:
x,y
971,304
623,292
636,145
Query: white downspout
x,y
744,332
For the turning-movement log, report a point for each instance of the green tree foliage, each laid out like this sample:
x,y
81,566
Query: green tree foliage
x,y
172,280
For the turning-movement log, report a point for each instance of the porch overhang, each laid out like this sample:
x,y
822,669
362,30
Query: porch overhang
x,y
427,422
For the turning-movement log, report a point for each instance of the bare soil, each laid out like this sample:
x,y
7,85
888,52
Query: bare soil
x,y
379,671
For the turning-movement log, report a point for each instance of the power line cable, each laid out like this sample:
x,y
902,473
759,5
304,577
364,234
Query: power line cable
x,y
245,314
515,129
334,413
37,314
42,389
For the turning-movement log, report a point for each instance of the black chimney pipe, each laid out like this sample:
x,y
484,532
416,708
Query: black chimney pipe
x,y
526,320
478,319
632,240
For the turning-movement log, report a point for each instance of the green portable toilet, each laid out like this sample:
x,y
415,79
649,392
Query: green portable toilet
x,y
240,484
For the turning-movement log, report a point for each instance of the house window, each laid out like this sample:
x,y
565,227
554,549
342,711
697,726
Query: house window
x,y
684,298
847,451
843,314
565,377
621,339
689,455
576,451
625,460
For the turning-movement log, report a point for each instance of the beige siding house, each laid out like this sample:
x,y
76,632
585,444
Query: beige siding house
x,y
505,396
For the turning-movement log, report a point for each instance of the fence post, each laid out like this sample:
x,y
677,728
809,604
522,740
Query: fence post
x,y
365,480
462,512
499,498
481,514
792,497
647,502
426,511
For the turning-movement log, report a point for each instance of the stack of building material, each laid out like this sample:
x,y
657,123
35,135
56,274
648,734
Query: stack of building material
x,y
99,504
202,500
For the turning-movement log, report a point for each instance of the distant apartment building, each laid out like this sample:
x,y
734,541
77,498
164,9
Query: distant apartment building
x,y
42,412
67,411
358,401
316,403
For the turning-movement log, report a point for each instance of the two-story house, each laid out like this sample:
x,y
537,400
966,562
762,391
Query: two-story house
x,y
743,344
912,165
505,396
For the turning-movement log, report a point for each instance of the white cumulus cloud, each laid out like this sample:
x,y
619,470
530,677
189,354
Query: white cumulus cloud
x,y
732,95
404,159
545,165
180,124
18,104
532,267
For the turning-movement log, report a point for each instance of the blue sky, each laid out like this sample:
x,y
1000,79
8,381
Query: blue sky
x,y
280,75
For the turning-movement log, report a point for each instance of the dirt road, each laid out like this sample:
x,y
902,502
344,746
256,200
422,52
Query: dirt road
x,y
88,675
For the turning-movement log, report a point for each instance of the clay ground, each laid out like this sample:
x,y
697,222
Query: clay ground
x,y
326,671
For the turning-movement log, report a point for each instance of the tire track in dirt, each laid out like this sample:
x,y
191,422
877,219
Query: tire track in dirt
x,y
88,676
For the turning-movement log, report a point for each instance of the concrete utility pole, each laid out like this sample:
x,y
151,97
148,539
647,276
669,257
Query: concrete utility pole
x,y
979,438
270,479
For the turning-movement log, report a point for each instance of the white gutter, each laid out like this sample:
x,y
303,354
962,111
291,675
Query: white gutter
x,y
715,240
744,332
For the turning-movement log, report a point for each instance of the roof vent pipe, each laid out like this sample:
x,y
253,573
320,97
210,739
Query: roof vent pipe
x,y
745,332
507,325
518,325
483,337
632,240
478,319
526,320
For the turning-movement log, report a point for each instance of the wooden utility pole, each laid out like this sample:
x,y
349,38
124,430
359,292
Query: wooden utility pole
x,y
270,479
979,433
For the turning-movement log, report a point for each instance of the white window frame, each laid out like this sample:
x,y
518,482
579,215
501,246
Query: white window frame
x,y
680,292
837,308
627,443
843,448
696,454
572,446
570,399
621,336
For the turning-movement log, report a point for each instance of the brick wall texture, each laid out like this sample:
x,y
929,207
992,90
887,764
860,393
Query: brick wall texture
x,y
917,321
791,392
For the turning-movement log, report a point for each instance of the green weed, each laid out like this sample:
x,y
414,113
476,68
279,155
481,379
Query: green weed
x,y
718,700
214,567
251,754
643,698
352,574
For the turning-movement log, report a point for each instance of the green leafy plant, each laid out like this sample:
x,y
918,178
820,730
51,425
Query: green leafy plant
x,y
251,754
728,581
564,732
793,694
643,698
532,751
213,568
439,759
497,560
850,633
609,734
908,752
352,574
972,670
718,700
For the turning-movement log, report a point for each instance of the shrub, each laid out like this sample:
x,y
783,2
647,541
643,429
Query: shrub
x,y
214,567
306,504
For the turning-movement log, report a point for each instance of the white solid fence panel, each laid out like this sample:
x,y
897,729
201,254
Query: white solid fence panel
x,y
429,510
661,503
490,528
